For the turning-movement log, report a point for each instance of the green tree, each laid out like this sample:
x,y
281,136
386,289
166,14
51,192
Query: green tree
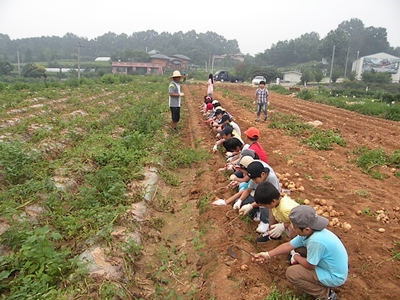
x,y
28,55
351,75
355,32
5,67
336,72
374,41
376,77
33,70
340,40
306,77
318,75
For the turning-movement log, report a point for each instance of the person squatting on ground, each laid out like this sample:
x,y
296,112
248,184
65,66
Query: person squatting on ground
x,y
258,171
326,263
174,101
253,134
266,195
224,136
261,98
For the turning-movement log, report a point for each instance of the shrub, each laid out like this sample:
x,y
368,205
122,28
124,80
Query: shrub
x,y
305,94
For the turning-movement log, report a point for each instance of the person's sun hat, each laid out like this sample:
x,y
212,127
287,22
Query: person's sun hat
x,y
252,133
176,74
304,216
245,161
244,153
255,169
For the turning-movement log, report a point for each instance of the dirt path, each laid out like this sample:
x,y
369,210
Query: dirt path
x,y
191,247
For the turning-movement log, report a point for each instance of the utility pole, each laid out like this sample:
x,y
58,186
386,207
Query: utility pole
x,y
212,64
19,68
79,60
333,57
347,59
358,53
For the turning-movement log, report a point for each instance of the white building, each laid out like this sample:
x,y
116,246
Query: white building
x,y
379,62
292,76
103,58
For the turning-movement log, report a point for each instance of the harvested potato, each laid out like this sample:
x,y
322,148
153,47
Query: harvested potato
x,y
346,226
306,202
244,267
322,202
381,230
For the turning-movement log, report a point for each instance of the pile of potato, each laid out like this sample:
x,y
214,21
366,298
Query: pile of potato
x,y
289,183
382,216
322,208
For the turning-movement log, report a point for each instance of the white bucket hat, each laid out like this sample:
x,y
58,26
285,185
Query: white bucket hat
x,y
176,73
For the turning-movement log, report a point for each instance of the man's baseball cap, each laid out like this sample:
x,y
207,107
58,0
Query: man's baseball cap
x,y
255,169
252,133
304,216
227,130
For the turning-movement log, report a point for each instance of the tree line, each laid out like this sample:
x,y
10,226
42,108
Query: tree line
x,y
351,40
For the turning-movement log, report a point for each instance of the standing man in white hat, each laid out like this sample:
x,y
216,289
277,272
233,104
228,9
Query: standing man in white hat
x,y
175,95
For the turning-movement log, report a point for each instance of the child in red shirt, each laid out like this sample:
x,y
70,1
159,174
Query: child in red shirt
x,y
253,134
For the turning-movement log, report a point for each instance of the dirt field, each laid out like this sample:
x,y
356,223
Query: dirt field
x,y
194,245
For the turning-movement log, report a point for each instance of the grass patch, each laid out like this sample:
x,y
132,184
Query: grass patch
x,y
368,160
286,295
291,124
323,140
203,204
99,134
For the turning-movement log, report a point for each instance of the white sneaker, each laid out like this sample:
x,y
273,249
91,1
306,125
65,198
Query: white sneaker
x,y
219,202
262,227
257,217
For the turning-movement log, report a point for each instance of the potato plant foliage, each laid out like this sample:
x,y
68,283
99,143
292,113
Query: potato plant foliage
x,y
98,135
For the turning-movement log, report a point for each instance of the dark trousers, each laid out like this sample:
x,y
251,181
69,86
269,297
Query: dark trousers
x,y
264,214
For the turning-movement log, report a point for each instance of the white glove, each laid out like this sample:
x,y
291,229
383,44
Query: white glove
x,y
230,159
228,154
215,148
181,94
277,230
245,209
237,204
292,260
232,177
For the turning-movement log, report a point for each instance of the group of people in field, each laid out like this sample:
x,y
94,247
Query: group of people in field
x,y
318,260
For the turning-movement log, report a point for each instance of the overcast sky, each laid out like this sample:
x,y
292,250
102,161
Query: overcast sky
x,y
256,25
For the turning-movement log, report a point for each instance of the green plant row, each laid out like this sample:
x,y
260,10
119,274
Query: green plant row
x,y
100,137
